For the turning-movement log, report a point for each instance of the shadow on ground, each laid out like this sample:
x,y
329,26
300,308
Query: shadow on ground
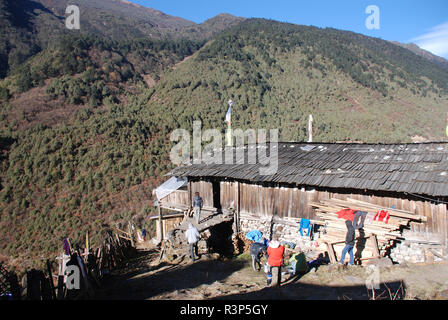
x,y
294,290
165,278
233,279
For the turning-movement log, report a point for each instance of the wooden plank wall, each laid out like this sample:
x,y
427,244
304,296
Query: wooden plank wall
x,y
181,196
281,201
294,202
229,194
205,190
168,225
177,197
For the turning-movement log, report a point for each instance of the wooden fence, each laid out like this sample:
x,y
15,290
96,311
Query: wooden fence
x,y
93,264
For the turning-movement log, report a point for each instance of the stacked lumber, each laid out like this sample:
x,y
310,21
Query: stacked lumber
x,y
385,234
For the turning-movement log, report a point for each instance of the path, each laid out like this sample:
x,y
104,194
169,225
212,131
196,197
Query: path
x,y
209,278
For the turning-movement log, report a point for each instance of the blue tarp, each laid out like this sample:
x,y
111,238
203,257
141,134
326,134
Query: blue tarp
x,y
254,235
305,224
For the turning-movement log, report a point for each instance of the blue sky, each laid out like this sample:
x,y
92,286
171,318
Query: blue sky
x,y
421,22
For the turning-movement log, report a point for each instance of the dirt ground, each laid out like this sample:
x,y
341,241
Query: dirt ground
x,y
210,278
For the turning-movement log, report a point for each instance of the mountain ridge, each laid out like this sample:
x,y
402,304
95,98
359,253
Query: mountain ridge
x,y
424,53
45,24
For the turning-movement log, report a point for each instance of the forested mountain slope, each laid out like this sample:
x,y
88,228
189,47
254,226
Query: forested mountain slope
x,y
357,88
30,26
99,165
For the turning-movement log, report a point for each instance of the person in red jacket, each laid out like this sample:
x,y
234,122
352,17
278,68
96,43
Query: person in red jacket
x,y
275,260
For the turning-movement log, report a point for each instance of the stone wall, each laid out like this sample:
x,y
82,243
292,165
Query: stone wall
x,y
407,252
412,252
417,248
288,231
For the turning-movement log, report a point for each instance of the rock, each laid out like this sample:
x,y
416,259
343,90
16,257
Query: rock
x,y
444,294
353,280
417,259
155,242
380,262
396,257
336,267
212,256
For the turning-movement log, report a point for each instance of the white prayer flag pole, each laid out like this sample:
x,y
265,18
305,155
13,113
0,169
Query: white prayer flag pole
x,y
229,123
310,129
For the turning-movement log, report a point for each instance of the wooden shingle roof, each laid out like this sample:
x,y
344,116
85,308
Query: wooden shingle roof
x,y
410,168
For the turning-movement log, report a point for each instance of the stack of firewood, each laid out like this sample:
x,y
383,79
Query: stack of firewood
x,y
240,243
386,234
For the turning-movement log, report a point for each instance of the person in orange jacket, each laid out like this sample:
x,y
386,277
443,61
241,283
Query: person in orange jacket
x,y
275,258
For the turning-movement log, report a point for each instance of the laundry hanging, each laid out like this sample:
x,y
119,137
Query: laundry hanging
x,y
305,224
383,216
359,218
347,214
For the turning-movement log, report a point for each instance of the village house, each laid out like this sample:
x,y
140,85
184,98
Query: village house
x,y
312,182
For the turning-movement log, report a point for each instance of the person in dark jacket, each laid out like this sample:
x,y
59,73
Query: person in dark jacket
x,y
257,249
197,206
349,243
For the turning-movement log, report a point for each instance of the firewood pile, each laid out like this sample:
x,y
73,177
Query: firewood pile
x,y
386,234
240,243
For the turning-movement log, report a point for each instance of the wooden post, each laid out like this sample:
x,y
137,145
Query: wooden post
x,y
375,245
237,211
331,252
87,250
50,276
310,129
190,204
131,234
160,224
61,275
